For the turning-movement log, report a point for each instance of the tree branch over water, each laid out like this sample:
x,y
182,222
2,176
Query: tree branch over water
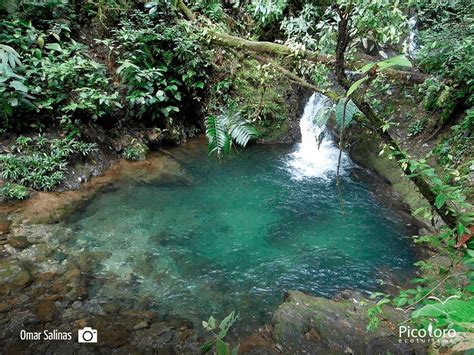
x,y
339,65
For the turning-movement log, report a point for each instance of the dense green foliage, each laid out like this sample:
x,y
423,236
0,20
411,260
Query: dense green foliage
x,y
446,46
143,65
224,129
40,162
157,64
56,80
146,70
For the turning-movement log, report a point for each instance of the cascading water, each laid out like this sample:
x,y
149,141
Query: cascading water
x,y
412,45
312,158
210,236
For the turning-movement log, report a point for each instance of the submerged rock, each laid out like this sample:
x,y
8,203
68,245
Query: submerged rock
x,y
13,274
141,325
18,241
46,310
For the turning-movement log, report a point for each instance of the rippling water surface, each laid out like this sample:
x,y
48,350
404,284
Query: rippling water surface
x,y
236,234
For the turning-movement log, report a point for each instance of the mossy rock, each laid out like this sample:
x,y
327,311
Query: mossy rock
x,y
366,153
316,325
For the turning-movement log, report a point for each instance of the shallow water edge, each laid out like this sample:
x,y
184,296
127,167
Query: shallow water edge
x,y
54,284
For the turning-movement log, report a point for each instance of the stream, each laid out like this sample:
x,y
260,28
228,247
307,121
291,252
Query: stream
x,y
235,234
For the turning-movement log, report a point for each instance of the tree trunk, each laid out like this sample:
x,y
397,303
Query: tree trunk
x,y
376,122
339,66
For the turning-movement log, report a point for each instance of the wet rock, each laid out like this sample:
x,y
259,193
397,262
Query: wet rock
x,y
13,274
111,307
113,336
4,226
148,339
5,307
130,350
9,249
36,253
258,343
51,267
166,337
80,323
45,310
16,348
76,305
142,325
177,323
42,278
318,325
93,307
87,261
133,313
50,234
160,327
60,305
312,335
168,350
73,274
18,241
60,287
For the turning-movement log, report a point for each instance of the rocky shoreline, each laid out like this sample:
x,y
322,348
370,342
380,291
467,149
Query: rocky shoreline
x,y
45,286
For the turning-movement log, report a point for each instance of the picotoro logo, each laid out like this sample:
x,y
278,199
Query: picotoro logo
x,y
408,334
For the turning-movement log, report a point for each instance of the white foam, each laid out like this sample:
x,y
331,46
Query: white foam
x,y
314,159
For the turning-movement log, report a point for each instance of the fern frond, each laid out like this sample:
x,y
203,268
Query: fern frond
x,y
240,131
217,136
226,129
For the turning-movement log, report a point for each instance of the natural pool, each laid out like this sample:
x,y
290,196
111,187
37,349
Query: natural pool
x,y
236,234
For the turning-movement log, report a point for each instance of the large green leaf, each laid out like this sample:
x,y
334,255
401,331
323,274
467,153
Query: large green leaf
x,y
239,130
221,347
19,86
322,117
356,85
455,311
399,61
351,110
365,68
226,324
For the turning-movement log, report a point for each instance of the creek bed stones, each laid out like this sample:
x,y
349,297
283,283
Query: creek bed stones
x,y
44,287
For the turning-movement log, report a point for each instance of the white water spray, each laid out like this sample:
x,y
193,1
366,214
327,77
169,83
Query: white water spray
x,y
412,44
314,159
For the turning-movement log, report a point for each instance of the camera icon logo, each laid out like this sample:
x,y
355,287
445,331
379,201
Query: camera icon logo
x,y
87,335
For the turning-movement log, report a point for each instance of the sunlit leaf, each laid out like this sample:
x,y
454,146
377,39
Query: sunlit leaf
x,y
356,85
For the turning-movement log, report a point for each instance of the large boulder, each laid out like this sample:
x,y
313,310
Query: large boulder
x,y
316,325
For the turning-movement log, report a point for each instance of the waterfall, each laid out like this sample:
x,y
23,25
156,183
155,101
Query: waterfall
x,y
314,159
412,45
